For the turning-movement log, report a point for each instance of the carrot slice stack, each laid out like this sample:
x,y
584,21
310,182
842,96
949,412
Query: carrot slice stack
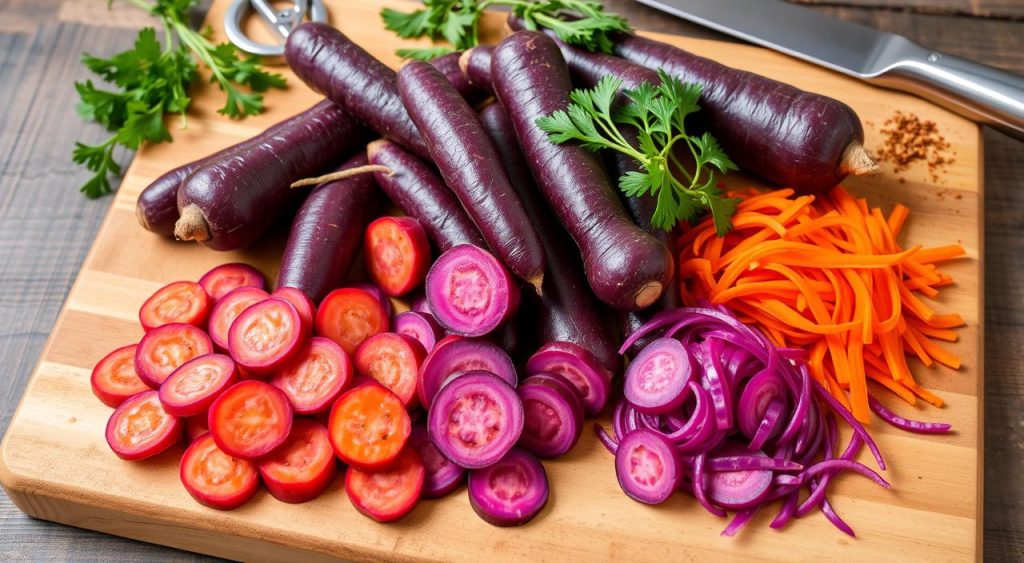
x,y
826,273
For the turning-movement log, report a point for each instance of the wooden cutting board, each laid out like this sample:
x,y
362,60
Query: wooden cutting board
x,y
55,464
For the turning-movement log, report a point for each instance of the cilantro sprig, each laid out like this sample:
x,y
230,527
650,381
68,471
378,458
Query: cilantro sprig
x,y
579,22
152,80
658,115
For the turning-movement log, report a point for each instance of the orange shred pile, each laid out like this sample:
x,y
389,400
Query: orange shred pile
x,y
826,273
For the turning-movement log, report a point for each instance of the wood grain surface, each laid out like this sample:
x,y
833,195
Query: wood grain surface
x,y
45,229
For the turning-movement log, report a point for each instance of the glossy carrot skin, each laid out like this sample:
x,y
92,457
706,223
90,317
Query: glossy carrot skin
x,y
568,311
626,267
469,163
786,135
476,66
157,207
449,67
327,232
331,64
242,196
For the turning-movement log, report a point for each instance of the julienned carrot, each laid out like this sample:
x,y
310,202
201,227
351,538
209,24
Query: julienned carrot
x,y
827,273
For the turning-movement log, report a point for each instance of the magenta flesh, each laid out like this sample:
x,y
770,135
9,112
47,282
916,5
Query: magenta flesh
x,y
553,418
656,380
562,384
442,475
470,292
738,489
760,391
420,326
475,420
510,492
461,355
578,366
648,467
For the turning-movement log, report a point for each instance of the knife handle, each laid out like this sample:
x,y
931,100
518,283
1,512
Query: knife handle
x,y
976,91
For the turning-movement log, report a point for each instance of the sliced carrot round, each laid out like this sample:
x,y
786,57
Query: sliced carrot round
x,y
178,302
222,279
114,379
140,428
397,254
302,303
227,309
349,316
166,348
266,336
315,377
303,467
250,419
393,360
216,479
387,495
193,387
369,426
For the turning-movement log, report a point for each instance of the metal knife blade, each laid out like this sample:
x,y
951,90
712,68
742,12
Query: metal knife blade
x,y
979,92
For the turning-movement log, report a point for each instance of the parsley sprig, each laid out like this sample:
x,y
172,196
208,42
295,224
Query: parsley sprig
x,y
152,80
579,22
658,116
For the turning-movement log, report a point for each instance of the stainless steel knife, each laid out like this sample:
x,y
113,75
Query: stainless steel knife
x,y
976,91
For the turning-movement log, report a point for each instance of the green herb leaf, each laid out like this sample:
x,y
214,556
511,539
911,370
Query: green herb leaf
x,y
656,119
152,80
578,22
425,53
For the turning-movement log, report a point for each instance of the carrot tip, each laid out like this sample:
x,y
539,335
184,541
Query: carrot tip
x,y
538,283
857,161
648,294
192,225
464,60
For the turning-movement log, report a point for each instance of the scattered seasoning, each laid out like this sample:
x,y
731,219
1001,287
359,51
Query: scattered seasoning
x,y
908,139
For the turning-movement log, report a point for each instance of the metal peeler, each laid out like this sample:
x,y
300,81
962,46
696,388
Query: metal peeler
x,y
280,22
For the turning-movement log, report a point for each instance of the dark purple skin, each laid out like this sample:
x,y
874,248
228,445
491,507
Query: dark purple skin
x,y
231,202
331,64
420,193
567,311
157,206
327,232
626,267
449,67
469,163
641,209
476,66
785,135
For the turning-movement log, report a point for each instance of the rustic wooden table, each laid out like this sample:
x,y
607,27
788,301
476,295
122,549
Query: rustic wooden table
x,y
46,227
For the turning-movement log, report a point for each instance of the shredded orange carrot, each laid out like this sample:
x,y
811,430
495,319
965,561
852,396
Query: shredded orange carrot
x,y
826,272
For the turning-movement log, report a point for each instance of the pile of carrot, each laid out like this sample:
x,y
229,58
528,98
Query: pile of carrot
x,y
826,273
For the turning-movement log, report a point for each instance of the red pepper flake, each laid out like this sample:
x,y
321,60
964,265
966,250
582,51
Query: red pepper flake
x,y
908,139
